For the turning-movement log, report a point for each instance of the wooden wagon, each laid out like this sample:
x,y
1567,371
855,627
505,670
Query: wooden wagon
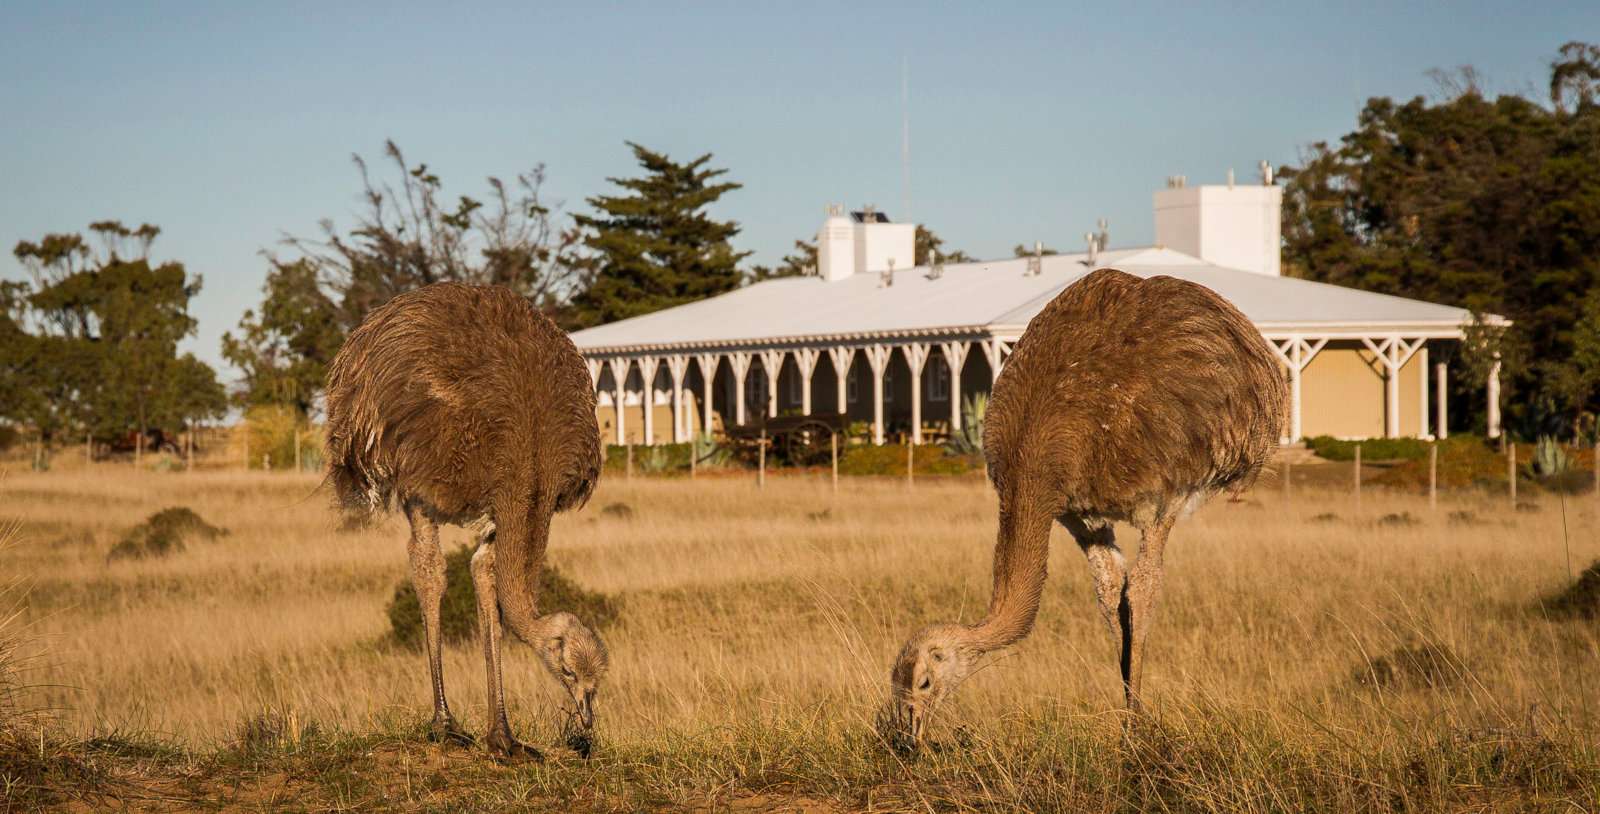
x,y
803,439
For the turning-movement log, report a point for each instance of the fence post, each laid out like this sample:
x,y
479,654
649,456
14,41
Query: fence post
x,y
1288,478
1358,478
761,467
1511,472
694,458
910,457
833,441
88,449
1433,476
266,462
297,450
138,449
246,446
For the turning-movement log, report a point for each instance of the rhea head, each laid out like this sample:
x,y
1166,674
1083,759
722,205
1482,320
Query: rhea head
x,y
577,658
931,665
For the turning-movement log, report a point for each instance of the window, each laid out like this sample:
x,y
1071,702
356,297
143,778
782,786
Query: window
x,y
755,392
851,389
795,387
939,381
888,384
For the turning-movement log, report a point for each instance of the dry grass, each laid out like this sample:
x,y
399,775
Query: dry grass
x,y
757,629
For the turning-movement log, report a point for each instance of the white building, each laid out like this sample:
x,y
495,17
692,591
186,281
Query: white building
x,y
874,337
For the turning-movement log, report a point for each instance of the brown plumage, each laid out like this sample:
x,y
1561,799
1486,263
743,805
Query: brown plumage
x,y
1125,399
465,405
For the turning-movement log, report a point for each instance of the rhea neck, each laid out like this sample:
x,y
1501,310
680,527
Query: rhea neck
x,y
1020,557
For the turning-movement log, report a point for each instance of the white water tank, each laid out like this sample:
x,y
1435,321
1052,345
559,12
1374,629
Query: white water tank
x,y
1234,226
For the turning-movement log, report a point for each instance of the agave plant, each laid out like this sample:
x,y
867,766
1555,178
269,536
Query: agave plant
x,y
707,452
969,441
1550,458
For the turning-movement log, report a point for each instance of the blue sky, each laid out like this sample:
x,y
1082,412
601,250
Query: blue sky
x,y
230,126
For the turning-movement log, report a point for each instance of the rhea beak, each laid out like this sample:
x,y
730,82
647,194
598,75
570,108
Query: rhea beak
x,y
904,734
586,709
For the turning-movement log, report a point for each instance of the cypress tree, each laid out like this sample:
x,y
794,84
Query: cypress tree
x,y
656,247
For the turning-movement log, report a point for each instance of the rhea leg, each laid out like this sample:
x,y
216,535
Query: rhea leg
x,y
428,578
1144,585
1107,568
500,739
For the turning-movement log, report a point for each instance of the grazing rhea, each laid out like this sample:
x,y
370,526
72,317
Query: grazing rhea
x,y
464,405
1126,399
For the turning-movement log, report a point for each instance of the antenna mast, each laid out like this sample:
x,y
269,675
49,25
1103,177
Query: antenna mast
x,y
905,138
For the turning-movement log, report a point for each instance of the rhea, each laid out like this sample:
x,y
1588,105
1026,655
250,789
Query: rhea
x,y
1126,399
465,405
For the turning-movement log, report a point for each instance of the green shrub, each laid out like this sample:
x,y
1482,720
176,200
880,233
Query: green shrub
x,y
458,612
1372,449
165,532
890,459
272,430
657,459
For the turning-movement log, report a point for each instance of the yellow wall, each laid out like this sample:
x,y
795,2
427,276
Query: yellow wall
x,y
633,421
1342,394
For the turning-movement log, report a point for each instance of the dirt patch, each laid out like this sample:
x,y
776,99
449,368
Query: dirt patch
x,y
166,532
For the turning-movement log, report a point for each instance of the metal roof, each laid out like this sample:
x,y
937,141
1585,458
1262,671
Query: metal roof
x,y
993,297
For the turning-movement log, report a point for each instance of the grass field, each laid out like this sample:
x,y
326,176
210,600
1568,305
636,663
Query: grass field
x,y
752,654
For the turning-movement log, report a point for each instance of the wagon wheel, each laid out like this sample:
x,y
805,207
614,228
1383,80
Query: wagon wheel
x,y
808,442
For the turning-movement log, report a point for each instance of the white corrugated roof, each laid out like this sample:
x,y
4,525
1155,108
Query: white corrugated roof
x,y
994,295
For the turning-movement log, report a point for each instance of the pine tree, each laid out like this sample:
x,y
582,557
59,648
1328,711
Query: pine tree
x,y
657,247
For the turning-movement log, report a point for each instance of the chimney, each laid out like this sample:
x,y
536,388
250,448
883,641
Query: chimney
x,y
1228,225
1094,249
861,242
836,246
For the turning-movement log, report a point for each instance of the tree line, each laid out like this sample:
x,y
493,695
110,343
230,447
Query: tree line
x,y
1492,204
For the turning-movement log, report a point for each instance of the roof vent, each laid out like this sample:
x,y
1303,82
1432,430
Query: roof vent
x,y
1266,173
1177,181
935,265
1094,249
886,277
1103,239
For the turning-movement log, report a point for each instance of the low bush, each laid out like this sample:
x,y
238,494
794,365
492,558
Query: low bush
x,y
1424,665
165,532
1580,600
458,616
890,459
272,432
662,458
1372,449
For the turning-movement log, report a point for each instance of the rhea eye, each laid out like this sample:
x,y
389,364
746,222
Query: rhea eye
x,y
938,655
568,674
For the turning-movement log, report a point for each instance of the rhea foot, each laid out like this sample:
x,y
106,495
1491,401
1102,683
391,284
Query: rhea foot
x,y
445,730
510,750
